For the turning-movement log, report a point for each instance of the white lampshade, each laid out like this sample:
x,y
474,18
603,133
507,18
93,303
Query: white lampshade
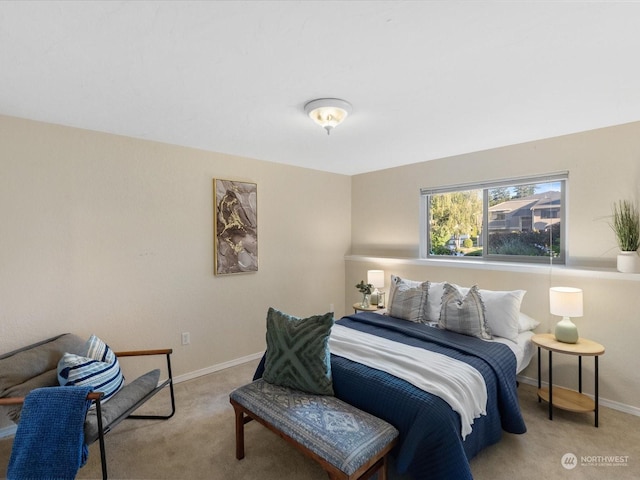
x,y
376,278
565,301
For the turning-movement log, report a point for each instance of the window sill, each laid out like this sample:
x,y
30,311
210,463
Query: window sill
x,y
541,269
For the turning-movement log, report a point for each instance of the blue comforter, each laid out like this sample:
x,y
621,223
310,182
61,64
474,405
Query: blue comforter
x,y
430,445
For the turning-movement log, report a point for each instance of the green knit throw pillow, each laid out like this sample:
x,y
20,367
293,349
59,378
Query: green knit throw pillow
x,y
298,352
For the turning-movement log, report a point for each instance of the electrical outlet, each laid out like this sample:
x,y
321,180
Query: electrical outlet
x,y
186,338
331,309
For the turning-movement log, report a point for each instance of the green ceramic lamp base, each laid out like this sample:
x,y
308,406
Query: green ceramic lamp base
x,y
566,331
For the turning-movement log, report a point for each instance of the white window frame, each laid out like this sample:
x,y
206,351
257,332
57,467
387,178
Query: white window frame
x,y
425,234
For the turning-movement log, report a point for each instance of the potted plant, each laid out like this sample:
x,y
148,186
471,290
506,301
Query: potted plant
x,y
626,226
365,290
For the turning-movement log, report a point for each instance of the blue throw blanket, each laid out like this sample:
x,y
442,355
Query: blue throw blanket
x,y
430,446
49,442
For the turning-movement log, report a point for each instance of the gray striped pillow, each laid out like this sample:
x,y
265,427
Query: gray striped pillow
x,y
464,314
409,300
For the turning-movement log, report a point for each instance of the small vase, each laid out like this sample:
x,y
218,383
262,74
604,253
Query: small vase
x,y
628,262
365,301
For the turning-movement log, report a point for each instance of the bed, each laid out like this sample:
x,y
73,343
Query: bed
x,y
431,442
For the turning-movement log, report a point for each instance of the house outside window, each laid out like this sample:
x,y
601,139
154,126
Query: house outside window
x,y
519,220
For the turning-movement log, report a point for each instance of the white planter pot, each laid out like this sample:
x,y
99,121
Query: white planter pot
x,y
628,262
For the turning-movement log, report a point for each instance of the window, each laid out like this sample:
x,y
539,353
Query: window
x,y
519,220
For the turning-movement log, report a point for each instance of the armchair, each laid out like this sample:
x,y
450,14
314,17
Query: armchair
x,y
35,366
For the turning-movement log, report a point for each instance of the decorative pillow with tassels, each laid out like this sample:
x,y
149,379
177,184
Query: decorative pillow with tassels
x,y
464,313
409,299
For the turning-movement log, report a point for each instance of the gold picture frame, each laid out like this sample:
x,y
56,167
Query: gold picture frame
x,y
235,223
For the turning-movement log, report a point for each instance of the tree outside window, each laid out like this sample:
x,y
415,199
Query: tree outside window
x,y
455,217
522,221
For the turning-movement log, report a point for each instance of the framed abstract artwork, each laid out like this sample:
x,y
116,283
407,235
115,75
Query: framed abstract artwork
x,y
235,227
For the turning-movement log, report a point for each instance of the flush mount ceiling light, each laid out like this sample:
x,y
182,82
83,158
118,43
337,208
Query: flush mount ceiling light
x,y
328,112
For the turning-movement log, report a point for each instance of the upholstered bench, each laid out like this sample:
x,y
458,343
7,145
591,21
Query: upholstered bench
x,y
348,443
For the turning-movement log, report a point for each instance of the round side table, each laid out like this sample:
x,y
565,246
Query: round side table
x,y
357,307
561,397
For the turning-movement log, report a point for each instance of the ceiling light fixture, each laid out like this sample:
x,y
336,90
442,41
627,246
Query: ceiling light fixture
x,y
328,112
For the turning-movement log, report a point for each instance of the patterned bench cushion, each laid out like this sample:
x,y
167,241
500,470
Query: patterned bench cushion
x,y
336,431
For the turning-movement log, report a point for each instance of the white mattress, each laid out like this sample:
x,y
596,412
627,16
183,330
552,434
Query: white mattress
x,y
523,348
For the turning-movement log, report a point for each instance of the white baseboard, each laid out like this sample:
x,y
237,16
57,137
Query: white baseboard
x,y
216,368
621,407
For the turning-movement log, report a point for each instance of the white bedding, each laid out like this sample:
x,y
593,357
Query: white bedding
x,y
523,348
456,382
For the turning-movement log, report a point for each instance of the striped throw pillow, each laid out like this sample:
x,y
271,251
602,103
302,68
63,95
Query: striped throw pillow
x,y
464,313
98,368
409,299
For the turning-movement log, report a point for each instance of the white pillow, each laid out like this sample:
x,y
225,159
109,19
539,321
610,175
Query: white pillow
x,y
434,301
503,312
526,323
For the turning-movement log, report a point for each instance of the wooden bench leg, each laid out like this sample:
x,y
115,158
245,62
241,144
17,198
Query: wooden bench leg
x,y
239,432
379,467
383,471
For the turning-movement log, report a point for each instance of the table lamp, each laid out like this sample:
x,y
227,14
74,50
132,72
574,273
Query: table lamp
x,y
566,302
376,278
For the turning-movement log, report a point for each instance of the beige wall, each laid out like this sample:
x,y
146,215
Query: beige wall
x,y
603,165
111,235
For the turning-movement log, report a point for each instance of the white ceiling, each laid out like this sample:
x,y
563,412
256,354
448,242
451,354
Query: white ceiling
x,y
426,79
